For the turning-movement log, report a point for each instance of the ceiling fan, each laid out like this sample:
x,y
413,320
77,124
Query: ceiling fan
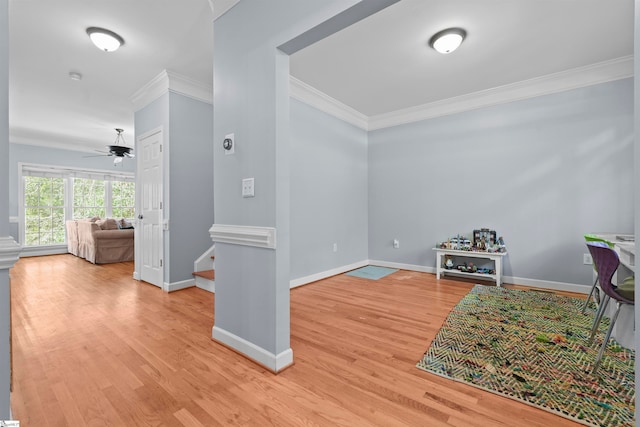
x,y
118,150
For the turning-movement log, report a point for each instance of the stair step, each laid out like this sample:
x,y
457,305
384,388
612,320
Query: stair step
x,y
207,274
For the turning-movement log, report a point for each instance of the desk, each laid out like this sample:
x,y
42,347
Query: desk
x,y
624,329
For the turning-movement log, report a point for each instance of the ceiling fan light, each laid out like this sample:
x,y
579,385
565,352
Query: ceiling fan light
x,y
117,160
446,41
105,40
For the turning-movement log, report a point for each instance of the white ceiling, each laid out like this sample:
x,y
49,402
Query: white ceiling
x,y
384,63
380,65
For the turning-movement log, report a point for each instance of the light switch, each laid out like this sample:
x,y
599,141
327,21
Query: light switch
x,y
248,187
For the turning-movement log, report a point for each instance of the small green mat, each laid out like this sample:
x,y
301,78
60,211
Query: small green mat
x,y
532,346
371,272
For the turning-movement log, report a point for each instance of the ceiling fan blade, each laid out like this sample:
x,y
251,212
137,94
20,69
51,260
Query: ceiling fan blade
x,y
130,155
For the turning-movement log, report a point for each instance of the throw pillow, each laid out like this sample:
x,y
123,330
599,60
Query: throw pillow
x,y
123,224
107,224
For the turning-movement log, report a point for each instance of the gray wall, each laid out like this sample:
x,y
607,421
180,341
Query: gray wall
x,y
19,153
637,173
188,171
5,343
542,172
329,197
251,99
191,184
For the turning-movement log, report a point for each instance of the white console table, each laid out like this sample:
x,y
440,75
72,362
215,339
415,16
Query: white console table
x,y
496,257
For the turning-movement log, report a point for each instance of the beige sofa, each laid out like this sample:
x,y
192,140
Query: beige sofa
x,y
100,241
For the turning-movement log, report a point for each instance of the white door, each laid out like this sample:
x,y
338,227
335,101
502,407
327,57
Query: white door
x,y
150,213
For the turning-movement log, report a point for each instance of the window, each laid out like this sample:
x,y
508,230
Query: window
x,y
51,195
123,196
88,198
44,211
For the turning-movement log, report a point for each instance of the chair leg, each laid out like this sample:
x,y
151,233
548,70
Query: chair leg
x,y
586,303
596,321
603,347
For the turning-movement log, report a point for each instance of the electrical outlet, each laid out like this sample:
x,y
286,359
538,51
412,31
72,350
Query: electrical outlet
x,y
248,187
396,244
335,247
586,259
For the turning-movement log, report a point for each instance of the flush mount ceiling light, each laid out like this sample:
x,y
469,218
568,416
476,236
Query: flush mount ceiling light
x,y
74,75
446,41
104,39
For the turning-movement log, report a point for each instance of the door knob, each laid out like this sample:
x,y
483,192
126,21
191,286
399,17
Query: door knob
x,y
140,216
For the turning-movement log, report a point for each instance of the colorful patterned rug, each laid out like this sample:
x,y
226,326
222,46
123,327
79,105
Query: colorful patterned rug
x,y
532,346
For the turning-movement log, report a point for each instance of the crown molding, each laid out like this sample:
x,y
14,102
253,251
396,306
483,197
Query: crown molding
x,y
601,72
589,75
61,142
309,95
169,81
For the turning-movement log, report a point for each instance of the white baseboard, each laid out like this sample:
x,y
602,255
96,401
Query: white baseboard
x,y
274,362
176,286
400,266
206,284
324,274
35,251
547,284
534,283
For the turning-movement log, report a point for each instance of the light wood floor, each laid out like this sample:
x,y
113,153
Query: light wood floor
x,y
94,347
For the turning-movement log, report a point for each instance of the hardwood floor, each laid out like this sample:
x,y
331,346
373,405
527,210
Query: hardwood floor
x,y
94,347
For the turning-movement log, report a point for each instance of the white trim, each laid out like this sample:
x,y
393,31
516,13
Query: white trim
x,y
188,87
136,276
61,142
28,251
204,261
246,235
601,72
9,252
328,273
176,286
205,284
400,266
14,220
547,284
309,95
275,362
169,81
534,283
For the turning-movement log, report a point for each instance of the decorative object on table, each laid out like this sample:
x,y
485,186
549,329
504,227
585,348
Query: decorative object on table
x,y
531,346
448,263
483,240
